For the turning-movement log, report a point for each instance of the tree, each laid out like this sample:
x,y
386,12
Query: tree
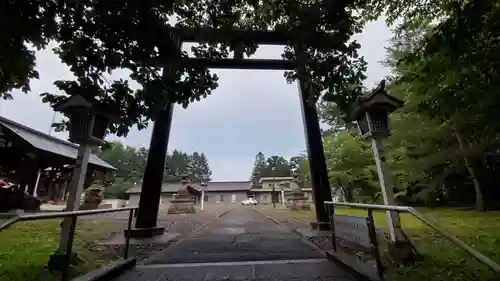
x,y
445,139
118,189
454,84
31,24
177,164
295,162
200,170
279,164
91,43
258,166
351,166
129,164
142,157
300,166
263,167
306,177
330,113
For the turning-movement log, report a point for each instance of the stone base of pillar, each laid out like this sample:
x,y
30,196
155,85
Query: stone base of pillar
x,y
320,225
181,206
145,232
403,252
57,261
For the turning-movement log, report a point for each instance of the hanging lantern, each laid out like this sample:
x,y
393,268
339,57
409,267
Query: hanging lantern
x,y
372,115
81,112
79,121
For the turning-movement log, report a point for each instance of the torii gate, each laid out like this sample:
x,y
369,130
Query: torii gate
x,y
146,222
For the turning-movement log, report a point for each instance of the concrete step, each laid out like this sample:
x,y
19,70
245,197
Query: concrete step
x,y
276,270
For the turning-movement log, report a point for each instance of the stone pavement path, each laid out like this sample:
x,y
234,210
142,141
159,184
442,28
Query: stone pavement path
x,y
241,235
240,245
179,224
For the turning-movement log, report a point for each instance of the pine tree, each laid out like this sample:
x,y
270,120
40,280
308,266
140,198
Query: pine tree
x,y
180,163
258,167
194,166
177,164
204,168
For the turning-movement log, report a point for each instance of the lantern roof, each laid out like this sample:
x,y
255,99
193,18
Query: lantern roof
x,y
89,103
377,98
184,178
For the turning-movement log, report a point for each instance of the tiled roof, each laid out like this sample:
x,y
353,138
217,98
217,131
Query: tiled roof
x,y
211,186
49,143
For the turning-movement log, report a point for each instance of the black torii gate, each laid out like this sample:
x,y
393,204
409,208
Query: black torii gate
x,y
146,222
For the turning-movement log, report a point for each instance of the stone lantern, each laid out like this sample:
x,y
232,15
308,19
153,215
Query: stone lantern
x,y
184,201
372,117
296,198
88,119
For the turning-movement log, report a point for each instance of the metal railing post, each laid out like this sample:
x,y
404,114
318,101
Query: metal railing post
x,y
331,212
373,236
69,248
127,236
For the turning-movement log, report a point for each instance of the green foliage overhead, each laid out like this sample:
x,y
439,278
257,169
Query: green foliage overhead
x,y
97,37
23,23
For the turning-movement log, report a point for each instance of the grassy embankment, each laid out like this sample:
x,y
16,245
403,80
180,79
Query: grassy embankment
x,y
26,247
443,261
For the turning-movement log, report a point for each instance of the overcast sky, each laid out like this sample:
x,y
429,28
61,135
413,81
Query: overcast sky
x,y
251,111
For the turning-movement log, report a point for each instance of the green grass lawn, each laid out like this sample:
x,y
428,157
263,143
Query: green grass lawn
x,y
443,261
26,247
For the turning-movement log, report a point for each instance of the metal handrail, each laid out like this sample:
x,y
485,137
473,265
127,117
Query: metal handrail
x,y
405,209
63,214
73,215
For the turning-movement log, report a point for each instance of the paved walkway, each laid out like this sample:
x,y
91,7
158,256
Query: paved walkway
x,y
240,245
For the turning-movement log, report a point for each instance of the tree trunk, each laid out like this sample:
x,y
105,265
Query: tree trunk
x,y
477,187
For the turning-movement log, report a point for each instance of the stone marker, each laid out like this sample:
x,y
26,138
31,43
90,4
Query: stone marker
x,y
296,199
183,203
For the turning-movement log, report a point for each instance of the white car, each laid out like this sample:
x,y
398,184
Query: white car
x,y
249,201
